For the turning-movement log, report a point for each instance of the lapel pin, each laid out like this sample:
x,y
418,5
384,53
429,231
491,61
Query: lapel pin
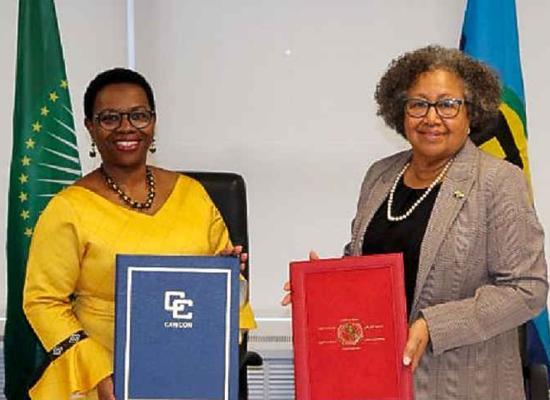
x,y
458,194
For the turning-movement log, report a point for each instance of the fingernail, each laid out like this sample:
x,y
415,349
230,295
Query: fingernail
x,y
406,361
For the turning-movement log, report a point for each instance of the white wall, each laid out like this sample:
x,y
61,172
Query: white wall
x,y
281,92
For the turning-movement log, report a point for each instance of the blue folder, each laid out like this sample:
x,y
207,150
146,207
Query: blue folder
x,y
176,327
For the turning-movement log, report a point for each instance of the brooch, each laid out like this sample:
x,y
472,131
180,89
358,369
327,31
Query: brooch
x,y
458,194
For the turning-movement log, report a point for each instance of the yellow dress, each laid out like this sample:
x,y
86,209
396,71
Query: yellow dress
x,y
70,273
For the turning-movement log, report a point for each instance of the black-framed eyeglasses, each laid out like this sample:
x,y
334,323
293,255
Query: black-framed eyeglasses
x,y
111,119
445,108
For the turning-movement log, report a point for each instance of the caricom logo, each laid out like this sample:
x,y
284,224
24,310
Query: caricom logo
x,y
176,303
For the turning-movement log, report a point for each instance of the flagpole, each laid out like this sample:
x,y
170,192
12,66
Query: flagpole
x,y
130,34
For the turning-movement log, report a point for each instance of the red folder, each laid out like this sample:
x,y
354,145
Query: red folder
x,y
349,324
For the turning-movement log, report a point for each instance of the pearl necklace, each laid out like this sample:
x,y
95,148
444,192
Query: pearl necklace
x,y
420,199
149,179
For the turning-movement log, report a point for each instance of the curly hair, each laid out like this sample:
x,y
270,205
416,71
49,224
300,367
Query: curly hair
x,y
481,85
114,76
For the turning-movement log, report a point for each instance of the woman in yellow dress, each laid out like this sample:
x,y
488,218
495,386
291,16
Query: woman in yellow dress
x,y
124,206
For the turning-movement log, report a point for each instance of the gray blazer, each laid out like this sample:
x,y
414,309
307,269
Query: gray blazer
x,y
481,273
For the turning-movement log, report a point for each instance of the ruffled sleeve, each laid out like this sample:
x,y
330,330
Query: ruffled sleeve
x,y
71,373
53,269
246,316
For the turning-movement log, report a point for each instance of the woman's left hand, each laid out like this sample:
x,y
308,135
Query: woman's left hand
x,y
419,337
236,251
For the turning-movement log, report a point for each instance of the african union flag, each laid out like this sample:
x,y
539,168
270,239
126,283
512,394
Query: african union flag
x,y
490,34
45,159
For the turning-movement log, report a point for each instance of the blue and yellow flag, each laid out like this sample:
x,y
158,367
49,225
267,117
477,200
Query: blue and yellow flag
x,y
490,34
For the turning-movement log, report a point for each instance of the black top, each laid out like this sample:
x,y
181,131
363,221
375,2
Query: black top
x,y
384,236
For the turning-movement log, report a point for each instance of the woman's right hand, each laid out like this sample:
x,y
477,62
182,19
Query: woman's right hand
x,y
287,299
105,389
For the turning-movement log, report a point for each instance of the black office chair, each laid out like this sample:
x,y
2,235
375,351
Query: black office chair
x,y
228,192
535,375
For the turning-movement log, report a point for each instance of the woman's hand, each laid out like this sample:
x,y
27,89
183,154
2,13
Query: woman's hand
x,y
236,251
419,337
287,299
105,390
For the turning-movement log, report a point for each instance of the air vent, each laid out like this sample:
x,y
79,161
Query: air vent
x,y
270,339
274,380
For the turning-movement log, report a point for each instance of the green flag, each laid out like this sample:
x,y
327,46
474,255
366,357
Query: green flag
x,y
44,160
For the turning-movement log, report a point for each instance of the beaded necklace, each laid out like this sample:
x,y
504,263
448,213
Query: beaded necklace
x,y
401,217
149,179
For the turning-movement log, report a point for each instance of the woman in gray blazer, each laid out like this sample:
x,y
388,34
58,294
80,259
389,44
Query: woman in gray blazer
x,y
473,247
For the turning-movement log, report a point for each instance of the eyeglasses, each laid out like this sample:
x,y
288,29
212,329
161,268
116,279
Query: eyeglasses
x,y
445,108
111,119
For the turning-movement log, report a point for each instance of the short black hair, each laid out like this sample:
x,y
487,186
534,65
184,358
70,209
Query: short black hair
x,y
114,76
